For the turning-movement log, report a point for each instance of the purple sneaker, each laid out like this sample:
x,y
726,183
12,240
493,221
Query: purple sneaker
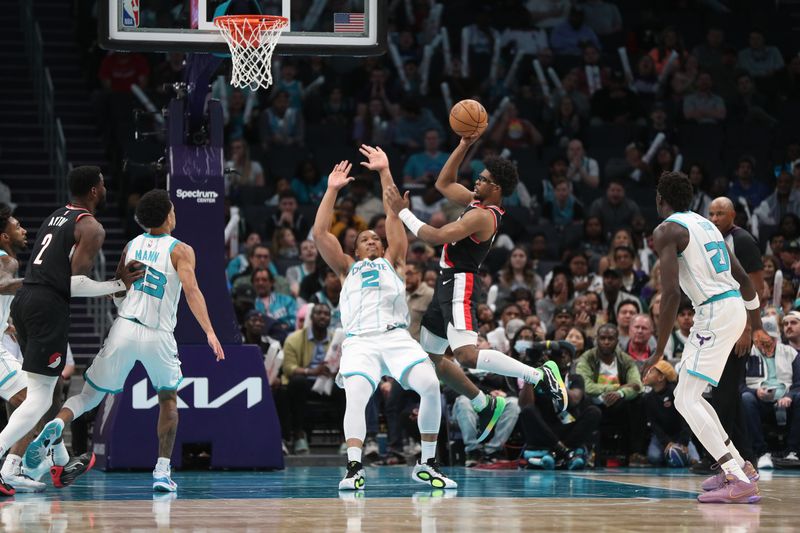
x,y
718,480
734,490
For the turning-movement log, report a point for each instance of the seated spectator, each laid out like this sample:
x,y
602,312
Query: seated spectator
x,y
770,393
256,332
516,273
246,171
612,293
665,159
709,53
259,256
699,178
615,103
667,426
238,264
329,295
583,170
641,344
680,334
347,239
418,296
304,352
287,82
658,122
566,124
379,86
282,185
703,106
785,199
308,184
413,123
280,307
563,321
119,70
548,13
345,217
612,382
563,208
745,185
614,209
570,36
336,108
428,205
507,326
603,17
623,317
514,132
285,244
236,127
645,79
282,125
368,205
631,167
594,244
582,279
668,41
568,435
633,280
587,318
758,59
559,293
373,124
791,329
579,339
424,166
288,217
308,266
749,106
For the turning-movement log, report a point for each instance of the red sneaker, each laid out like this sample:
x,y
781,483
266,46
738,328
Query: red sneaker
x,y
76,466
5,488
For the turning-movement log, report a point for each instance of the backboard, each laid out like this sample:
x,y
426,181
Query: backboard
x,y
316,27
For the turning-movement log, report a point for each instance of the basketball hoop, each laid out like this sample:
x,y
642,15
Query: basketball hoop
x,y
251,39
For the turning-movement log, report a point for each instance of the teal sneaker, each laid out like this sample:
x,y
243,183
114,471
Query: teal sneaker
x,y
38,449
162,481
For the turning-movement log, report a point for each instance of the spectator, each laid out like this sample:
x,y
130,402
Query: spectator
x,y
508,325
645,80
514,132
709,54
784,200
621,237
624,312
418,296
703,106
282,185
602,17
413,123
246,171
613,383
759,60
582,279
308,184
563,209
595,243
563,321
282,125
585,309
345,217
304,353
641,344
615,103
679,337
770,391
567,123
238,264
120,70
559,293
664,160
548,14
749,106
280,307
745,185
288,217
567,435
614,209
583,170
633,280
336,109
569,37
632,167
658,122
329,295
259,256
516,273
287,82
668,42
789,80
256,332
578,338
424,166
379,87
667,425
167,73
373,124
612,292
368,206
308,266
699,178
791,329
347,239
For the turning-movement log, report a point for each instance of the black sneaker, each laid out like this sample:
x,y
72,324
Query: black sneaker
x,y
488,417
473,458
705,467
355,478
553,384
76,466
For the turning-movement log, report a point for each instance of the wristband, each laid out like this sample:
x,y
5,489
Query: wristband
x,y
411,221
752,305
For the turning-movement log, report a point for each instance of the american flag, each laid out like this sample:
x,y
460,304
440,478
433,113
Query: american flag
x,y
348,22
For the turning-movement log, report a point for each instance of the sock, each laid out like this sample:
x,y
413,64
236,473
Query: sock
x,y
479,402
499,363
428,451
163,464
353,453
732,468
734,453
60,453
10,465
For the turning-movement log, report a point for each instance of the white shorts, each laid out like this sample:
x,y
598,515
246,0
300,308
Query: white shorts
x,y
128,342
717,327
12,378
390,353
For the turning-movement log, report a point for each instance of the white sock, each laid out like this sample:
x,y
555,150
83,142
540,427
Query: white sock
x,y
60,453
163,464
499,363
732,468
479,402
353,453
428,451
11,464
735,453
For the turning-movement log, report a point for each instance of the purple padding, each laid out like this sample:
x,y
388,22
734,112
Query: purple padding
x,y
228,404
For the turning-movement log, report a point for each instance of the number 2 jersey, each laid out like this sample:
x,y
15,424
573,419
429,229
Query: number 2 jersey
x,y
153,299
373,298
704,267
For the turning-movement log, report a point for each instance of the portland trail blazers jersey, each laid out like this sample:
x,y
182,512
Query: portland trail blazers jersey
x,y
153,299
50,264
373,298
467,254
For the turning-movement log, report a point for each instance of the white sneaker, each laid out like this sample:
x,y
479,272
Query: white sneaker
x,y
23,483
371,449
791,456
355,478
40,471
430,474
765,462
162,481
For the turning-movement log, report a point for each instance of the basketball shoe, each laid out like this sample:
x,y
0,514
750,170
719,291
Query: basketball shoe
x,y
429,472
734,490
22,482
355,478
717,481
162,481
488,417
65,475
38,449
5,488
553,384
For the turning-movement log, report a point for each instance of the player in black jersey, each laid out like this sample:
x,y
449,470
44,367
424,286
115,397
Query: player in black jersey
x,y
451,320
66,245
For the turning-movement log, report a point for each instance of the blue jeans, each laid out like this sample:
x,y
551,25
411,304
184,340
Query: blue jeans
x,y
655,452
467,420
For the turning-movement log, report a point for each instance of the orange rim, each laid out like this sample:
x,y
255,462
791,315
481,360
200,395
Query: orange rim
x,y
249,26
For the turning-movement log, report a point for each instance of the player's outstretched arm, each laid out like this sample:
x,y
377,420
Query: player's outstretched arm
x,y
89,237
447,183
395,231
665,241
184,261
9,284
327,244
475,221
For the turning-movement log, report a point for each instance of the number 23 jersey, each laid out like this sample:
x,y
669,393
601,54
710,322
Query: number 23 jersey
x,y
153,299
704,267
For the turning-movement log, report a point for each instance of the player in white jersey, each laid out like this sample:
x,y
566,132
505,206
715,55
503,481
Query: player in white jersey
x,y
375,317
143,331
695,258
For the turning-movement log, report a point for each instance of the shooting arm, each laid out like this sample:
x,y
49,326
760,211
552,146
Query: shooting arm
x,y
447,184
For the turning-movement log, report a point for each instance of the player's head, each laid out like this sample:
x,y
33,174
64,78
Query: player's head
x,y
87,186
498,179
369,245
674,193
12,234
155,210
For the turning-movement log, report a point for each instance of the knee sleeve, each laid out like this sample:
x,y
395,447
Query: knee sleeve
x,y
422,379
358,391
88,399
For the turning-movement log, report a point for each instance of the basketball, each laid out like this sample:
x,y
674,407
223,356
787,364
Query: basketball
x,y
468,118
675,457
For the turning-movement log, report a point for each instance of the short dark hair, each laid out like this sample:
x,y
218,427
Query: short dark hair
x,y
153,208
261,269
504,173
5,216
82,179
625,249
685,305
417,266
287,194
676,189
252,252
608,326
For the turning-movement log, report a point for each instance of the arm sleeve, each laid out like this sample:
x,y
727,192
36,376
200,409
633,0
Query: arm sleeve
x,y
84,286
747,252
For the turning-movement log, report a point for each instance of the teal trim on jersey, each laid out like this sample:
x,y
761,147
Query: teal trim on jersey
x,y
363,375
408,368
393,270
172,246
155,236
135,321
101,389
3,253
174,387
701,376
11,375
670,219
733,293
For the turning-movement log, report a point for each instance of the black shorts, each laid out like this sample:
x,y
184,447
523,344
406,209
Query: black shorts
x,y
41,317
455,300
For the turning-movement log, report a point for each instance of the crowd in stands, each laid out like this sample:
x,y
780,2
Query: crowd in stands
x,y
708,92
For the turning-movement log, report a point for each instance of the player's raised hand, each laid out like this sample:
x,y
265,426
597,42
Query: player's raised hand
x,y
377,159
470,140
397,203
216,347
339,176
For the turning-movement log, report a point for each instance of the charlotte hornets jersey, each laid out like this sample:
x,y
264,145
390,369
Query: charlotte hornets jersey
x,y
704,267
153,299
5,305
373,298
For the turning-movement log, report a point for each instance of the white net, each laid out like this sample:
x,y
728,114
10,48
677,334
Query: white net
x,y
252,40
